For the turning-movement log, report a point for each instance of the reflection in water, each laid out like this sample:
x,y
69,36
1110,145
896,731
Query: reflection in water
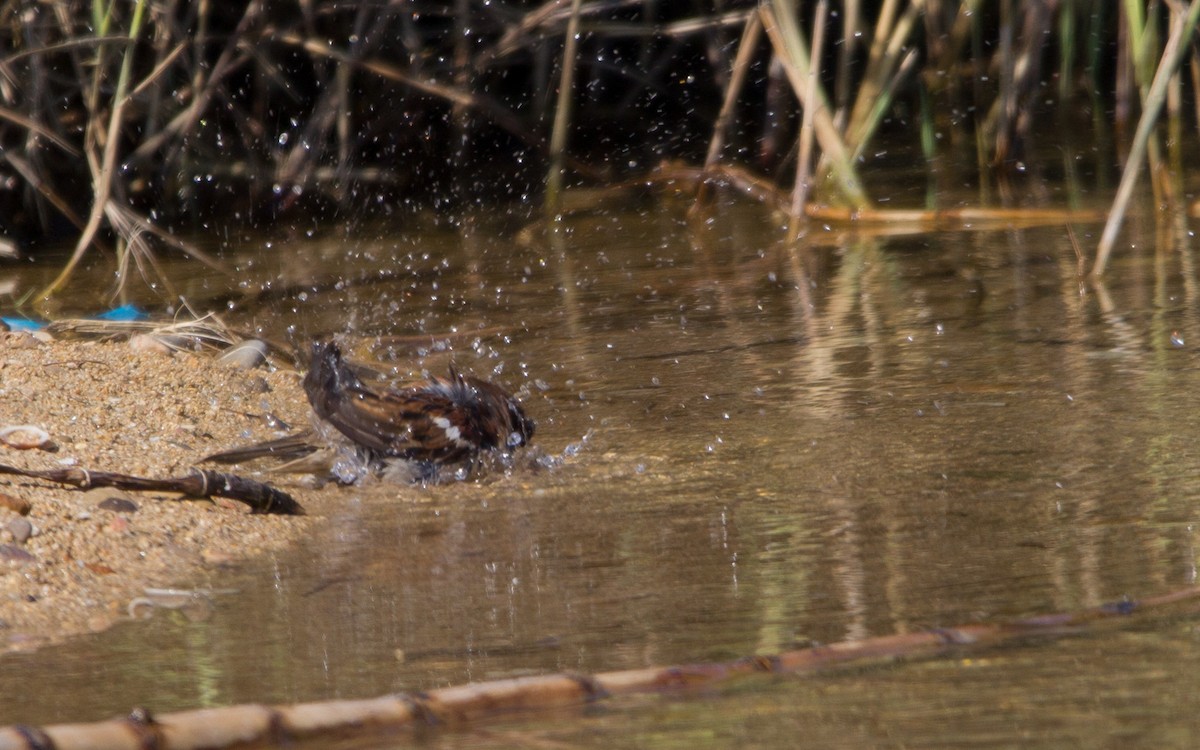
x,y
787,445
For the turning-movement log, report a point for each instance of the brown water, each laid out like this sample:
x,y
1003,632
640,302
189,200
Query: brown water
x,y
844,438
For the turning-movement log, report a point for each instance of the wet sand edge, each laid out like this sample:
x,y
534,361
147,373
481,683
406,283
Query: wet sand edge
x,y
74,561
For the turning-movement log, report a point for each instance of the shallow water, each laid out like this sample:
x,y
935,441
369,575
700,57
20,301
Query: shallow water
x,y
849,437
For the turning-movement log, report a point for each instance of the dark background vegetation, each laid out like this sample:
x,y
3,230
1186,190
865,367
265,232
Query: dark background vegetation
x,y
243,111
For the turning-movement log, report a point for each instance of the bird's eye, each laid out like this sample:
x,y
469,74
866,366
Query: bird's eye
x,y
515,439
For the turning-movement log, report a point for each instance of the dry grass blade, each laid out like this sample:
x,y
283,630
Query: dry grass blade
x,y
229,61
741,66
488,106
206,330
512,39
34,178
793,53
562,112
20,120
804,157
886,55
103,173
885,98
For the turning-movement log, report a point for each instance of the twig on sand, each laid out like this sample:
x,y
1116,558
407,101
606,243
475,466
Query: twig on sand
x,y
261,497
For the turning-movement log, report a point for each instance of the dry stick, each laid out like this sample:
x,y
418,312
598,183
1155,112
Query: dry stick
x,y
6,72
1194,63
1080,261
804,158
262,498
145,225
885,24
681,28
159,69
1172,56
247,725
741,66
544,20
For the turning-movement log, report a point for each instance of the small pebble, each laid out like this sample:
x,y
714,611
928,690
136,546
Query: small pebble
x,y
14,554
97,495
21,529
21,340
149,343
118,505
246,355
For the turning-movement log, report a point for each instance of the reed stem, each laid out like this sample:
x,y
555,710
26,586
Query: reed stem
x,y
562,114
1169,63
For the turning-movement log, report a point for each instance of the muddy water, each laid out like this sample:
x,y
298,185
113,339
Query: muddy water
x,y
744,447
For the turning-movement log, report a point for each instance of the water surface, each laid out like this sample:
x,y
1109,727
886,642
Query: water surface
x,y
745,446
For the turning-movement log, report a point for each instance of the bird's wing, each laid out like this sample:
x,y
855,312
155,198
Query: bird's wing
x,y
289,446
419,423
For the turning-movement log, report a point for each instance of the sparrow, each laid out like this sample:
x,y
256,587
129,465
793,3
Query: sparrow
x,y
410,432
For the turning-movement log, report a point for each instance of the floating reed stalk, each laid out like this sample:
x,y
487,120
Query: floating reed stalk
x,y
978,218
246,725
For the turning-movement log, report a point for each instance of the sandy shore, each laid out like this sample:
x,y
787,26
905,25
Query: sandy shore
x,y
74,561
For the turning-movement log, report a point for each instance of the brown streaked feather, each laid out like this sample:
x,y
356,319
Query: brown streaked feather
x,y
441,421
